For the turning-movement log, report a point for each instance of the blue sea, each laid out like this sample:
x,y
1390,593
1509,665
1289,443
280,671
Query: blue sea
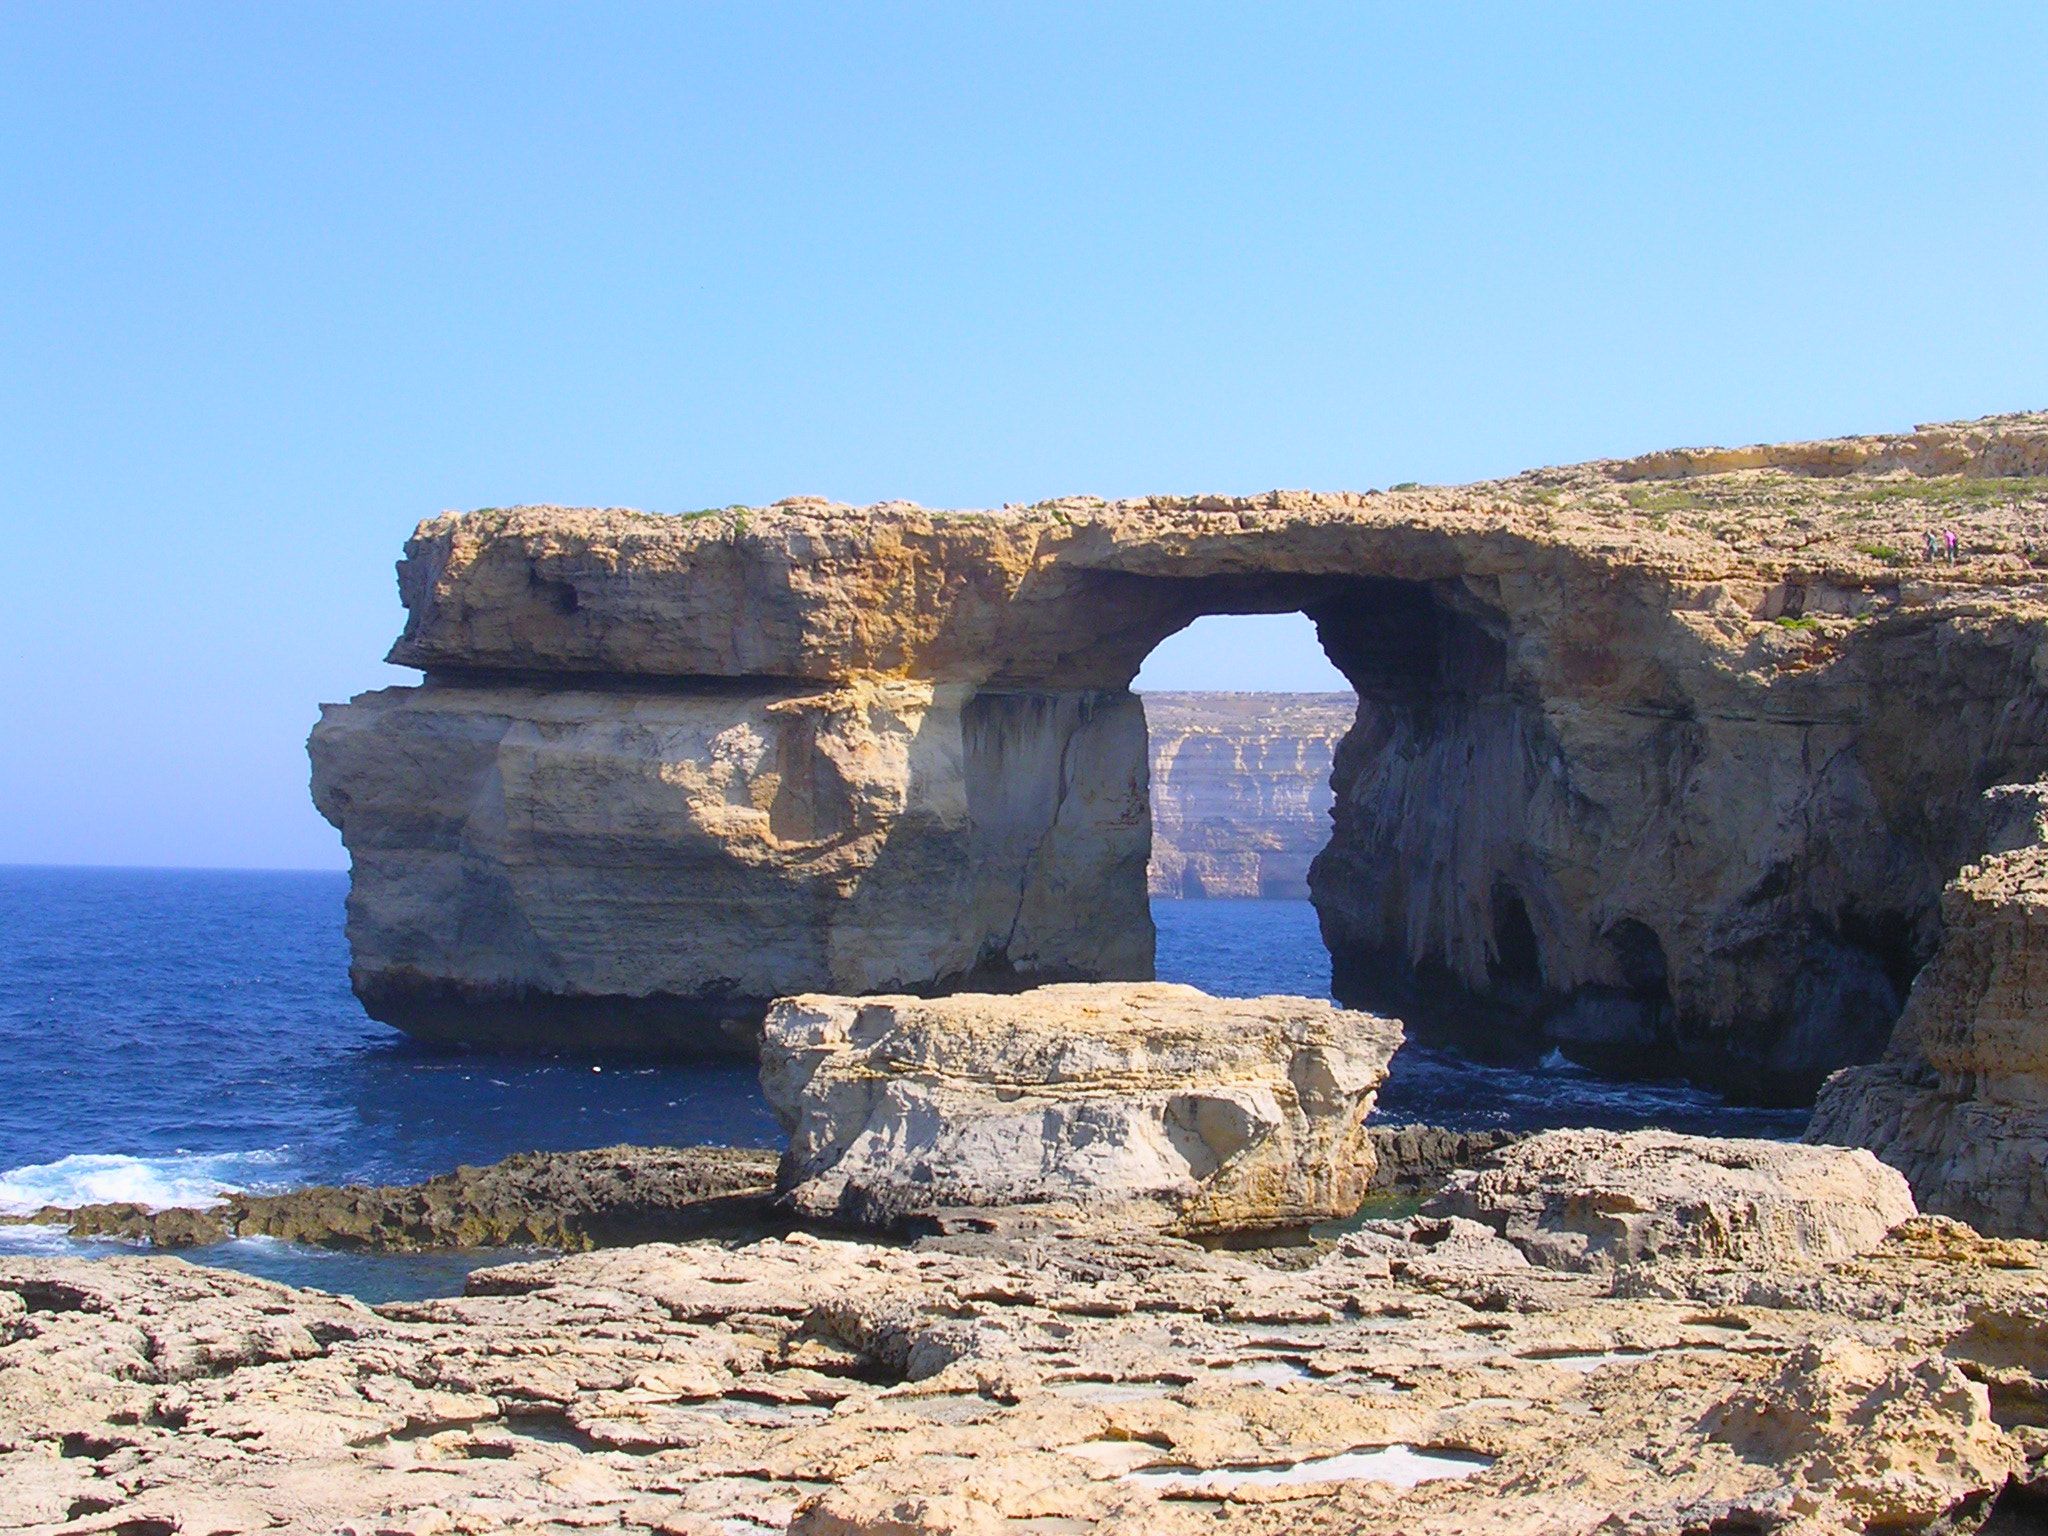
x,y
169,1034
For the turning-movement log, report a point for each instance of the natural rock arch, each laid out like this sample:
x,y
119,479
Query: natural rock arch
x,y
1621,780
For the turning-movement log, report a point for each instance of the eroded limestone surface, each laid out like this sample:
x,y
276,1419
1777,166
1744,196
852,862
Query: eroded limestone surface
x,y
1658,762
1211,1112
1595,1200
1023,1379
1960,1102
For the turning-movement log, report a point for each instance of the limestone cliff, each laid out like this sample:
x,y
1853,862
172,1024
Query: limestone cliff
x,y
1960,1101
1241,789
1663,761
632,869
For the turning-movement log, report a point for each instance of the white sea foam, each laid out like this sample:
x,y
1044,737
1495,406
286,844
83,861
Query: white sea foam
x,y
21,1241
184,1178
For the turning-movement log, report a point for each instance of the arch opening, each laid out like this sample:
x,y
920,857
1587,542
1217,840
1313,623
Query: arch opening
x,y
1423,825
1243,715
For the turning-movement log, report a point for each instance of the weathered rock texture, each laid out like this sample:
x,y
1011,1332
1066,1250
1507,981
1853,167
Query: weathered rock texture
x,y
1597,1199
1037,1379
1241,791
1413,1159
570,1200
635,869
1662,762
1211,1112
1960,1101
609,1197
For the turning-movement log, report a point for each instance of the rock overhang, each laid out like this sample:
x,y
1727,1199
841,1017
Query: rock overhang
x,y
1686,696
618,590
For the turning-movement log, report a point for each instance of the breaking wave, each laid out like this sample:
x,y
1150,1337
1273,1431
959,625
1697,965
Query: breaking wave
x,y
98,1178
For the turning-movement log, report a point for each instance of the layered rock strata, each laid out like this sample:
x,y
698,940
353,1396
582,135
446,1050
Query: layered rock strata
x,y
1596,1200
1662,762
632,869
1412,1159
1960,1101
1241,791
1207,1112
1043,1375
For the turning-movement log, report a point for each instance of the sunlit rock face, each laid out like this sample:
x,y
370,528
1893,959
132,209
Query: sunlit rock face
x,y
1155,1099
1241,790
1601,1200
1662,763
644,870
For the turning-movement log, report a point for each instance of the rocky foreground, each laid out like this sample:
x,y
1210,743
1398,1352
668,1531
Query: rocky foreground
x,y
1111,1317
1618,1334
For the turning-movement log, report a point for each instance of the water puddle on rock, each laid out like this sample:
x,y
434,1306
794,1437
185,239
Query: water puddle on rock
x,y
1265,1373
1401,1465
1108,1391
1586,1362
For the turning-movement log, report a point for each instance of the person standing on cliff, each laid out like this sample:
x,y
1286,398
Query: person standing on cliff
x,y
1928,535
1949,539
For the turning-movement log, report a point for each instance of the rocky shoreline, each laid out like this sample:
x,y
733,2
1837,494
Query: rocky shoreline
x,y
1128,1325
1598,1332
573,1202
570,1201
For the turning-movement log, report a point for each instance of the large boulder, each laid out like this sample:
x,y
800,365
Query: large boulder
x,y
1594,1200
1179,1107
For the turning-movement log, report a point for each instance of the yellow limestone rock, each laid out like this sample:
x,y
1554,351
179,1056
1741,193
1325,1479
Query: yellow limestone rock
x,y
1645,767
1050,1378
1213,1112
1591,1200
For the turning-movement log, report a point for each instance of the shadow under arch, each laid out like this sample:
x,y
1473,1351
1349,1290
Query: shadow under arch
x,y
1467,886
1430,896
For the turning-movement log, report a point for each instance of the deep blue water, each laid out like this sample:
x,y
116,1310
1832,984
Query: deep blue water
x,y
1245,948
202,1021
168,1034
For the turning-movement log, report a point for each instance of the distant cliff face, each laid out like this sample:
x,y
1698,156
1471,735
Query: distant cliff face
x,y
1241,789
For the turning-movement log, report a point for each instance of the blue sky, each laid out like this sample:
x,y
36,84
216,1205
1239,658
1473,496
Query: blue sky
x,y
277,281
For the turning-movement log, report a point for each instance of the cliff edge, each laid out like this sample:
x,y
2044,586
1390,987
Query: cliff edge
x,y
1662,762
